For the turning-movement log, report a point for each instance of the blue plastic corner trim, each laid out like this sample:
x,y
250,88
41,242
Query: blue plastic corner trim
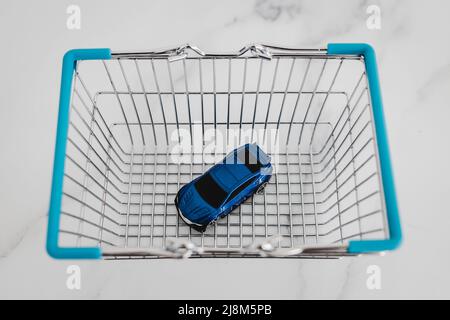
x,y
395,232
69,63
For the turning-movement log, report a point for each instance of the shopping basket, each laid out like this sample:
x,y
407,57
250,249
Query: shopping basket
x,y
133,127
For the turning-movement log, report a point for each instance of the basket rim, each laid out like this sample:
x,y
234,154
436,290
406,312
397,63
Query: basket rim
x,y
355,50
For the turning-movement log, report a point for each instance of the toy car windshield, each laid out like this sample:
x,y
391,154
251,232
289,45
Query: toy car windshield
x,y
210,191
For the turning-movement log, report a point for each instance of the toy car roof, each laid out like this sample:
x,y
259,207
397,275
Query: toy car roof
x,y
245,162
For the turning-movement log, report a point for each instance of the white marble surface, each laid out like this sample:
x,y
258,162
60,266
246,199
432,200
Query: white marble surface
x,y
413,48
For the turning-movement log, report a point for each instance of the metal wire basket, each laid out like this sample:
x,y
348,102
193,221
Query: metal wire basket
x,y
119,162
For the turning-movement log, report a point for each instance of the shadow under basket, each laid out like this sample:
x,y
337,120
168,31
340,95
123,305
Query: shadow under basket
x,y
133,128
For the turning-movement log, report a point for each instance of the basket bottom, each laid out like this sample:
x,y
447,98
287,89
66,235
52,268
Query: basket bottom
x,y
298,206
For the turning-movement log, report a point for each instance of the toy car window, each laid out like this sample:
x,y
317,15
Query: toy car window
x,y
246,157
240,188
210,191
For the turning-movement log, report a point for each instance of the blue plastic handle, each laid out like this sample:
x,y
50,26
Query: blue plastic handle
x,y
395,232
69,64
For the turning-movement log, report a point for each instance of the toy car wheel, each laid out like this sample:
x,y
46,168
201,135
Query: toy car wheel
x,y
200,229
261,188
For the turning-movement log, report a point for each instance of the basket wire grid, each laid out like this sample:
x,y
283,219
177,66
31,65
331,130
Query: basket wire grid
x,y
309,110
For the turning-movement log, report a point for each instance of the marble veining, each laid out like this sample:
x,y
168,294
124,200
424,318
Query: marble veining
x,y
271,10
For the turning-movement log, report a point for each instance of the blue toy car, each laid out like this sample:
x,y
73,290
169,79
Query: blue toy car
x,y
225,186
